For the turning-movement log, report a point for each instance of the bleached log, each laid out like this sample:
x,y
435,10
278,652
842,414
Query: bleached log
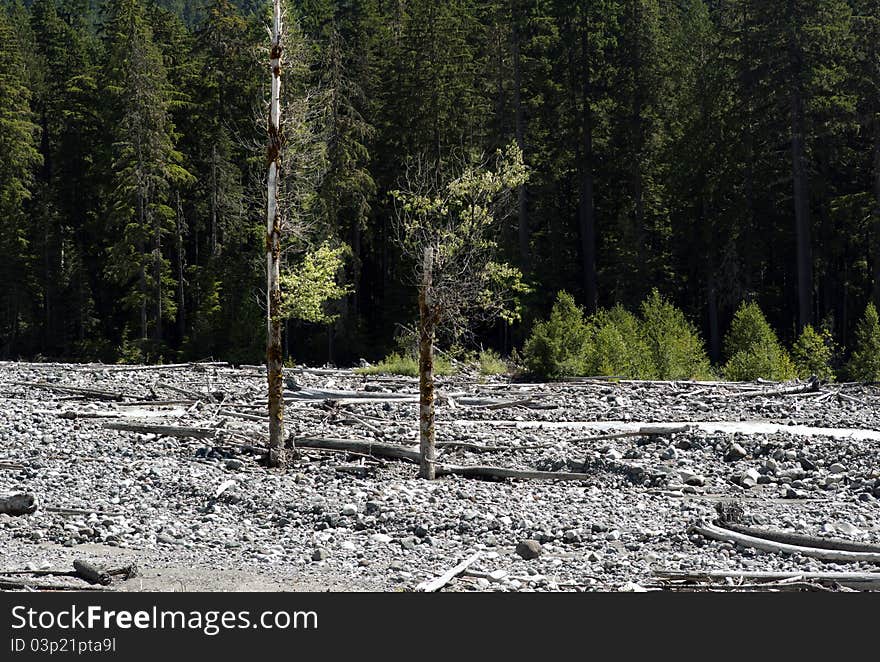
x,y
437,583
840,556
325,394
811,386
801,540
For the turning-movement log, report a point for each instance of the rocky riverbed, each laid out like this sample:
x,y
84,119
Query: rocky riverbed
x,y
197,510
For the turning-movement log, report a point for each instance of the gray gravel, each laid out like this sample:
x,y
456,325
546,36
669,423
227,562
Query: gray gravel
x,y
209,506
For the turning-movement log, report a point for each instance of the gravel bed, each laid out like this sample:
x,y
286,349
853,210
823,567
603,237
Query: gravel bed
x,y
345,522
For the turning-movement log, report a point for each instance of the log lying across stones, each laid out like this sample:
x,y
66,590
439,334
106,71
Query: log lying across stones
x,y
802,540
437,583
18,504
502,472
835,555
862,581
91,573
165,430
375,448
411,454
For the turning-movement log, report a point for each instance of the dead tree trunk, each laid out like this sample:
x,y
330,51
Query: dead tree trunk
x,y
426,370
273,254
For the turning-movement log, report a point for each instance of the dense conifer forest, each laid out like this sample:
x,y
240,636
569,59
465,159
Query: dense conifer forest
x,y
721,152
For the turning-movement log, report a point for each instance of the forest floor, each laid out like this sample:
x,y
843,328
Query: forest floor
x,y
161,467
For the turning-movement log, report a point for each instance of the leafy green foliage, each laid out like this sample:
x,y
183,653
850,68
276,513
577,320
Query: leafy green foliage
x,y
864,365
306,289
405,365
812,353
491,363
753,349
675,349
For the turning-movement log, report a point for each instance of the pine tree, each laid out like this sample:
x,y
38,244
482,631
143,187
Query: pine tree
x,y
145,164
18,159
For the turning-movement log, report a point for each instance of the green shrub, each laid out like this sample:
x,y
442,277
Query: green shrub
x,y
405,365
491,363
674,347
864,365
812,353
753,348
558,347
616,347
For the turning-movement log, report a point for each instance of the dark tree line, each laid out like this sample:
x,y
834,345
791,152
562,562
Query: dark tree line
x,y
720,151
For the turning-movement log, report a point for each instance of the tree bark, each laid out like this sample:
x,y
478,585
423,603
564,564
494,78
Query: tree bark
x,y
426,371
273,254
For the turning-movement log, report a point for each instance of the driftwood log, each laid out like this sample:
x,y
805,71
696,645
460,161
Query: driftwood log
x,y
437,583
863,581
840,556
91,573
374,448
411,454
802,540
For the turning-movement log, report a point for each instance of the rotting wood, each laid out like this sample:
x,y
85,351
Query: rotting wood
x,y
21,503
717,533
801,540
437,583
91,573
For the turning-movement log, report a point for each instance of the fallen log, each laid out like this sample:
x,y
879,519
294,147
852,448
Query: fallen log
x,y
166,430
374,448
13,584
644,431
476,471
411,454
95,393
840,556
18,504
91,573
319,394
863,581
801,540
810,386
437,583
